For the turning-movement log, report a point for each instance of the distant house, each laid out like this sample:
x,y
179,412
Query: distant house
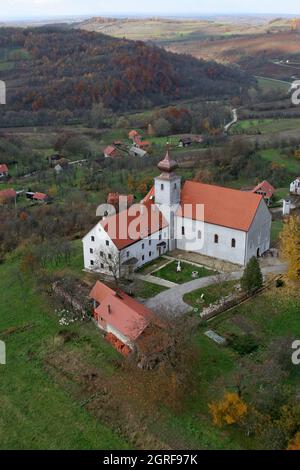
x,y
137,152
61,165
266,190
110,152
142,144
7,195
39,197
133,135
128,324
295,186
185,142
3,170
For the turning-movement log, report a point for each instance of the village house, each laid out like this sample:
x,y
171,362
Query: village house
x,y
134,135
295,186
129,326
3,170
218,222
8,196
266,190
39,197
110,152
137,152
61,165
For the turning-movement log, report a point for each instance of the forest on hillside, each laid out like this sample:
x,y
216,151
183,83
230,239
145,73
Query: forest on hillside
x,y
58,74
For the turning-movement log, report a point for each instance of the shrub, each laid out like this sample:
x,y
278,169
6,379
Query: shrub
x,y
252,278
244,344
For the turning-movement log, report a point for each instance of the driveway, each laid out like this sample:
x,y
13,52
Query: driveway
x,y
171,301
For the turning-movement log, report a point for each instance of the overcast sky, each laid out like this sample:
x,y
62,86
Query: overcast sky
x,y
45,8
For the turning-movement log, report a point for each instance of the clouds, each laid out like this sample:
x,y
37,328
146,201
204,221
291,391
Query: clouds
x,y
42,8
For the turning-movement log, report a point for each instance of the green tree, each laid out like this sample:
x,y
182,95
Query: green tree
x,y
252,278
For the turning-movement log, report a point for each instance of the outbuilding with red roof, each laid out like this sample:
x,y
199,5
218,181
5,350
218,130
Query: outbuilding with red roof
x,y
3,170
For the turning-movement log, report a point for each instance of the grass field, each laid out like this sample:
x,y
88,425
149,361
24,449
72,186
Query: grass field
x,y
211,294
268,84
276,228
265,126
169,272
277,156
35,412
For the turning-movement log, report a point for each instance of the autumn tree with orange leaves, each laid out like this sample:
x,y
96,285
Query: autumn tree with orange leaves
x,y
290,246
231,409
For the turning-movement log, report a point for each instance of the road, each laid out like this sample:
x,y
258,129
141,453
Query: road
x,y
171,300
234,120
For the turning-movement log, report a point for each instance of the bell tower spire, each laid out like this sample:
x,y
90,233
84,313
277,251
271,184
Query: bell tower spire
x,y
167,193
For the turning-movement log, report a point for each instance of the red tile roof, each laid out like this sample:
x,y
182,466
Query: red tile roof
x,y
222,206
39,196
134,224
114,198
121,311
8,194
132,134
266,188
149,196
3,168
109,150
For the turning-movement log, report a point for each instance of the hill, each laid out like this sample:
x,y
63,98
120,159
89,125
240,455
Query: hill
x,y
56,74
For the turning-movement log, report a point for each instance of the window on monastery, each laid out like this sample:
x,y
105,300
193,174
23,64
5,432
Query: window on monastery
x,y
127,254
91,251
175,186
102,266
92,262
233,243
149,242
92,239
107,243
101,254
182,230
162,187
143,246
199,234
150,253
216,238
109,256
159,237
143,258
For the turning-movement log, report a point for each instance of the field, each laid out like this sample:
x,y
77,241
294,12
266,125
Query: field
x,y
266,126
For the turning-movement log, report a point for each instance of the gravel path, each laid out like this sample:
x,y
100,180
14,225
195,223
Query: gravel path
x,y
171,301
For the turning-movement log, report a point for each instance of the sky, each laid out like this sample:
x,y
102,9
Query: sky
x,y
50,8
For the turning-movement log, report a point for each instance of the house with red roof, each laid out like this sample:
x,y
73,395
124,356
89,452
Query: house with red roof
x,y
126,322
111,152
39,197
3,170
295,186
7,195
266,190
133,135
222,223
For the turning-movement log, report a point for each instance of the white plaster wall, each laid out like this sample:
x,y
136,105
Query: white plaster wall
x,y
258,236
170,195
295,187
98,245
206,245
143,248
136,250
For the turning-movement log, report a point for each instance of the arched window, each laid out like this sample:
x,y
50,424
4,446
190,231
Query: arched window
x,y
216,238
233,243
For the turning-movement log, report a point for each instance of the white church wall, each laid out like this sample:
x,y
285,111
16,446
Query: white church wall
x,y
258,237
206,245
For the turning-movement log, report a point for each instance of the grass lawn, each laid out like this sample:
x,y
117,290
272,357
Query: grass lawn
x,y
275,155
276,228
268,85
169,272
146,290
35,412
211,294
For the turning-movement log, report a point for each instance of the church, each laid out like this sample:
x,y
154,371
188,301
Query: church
x,y
222,223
